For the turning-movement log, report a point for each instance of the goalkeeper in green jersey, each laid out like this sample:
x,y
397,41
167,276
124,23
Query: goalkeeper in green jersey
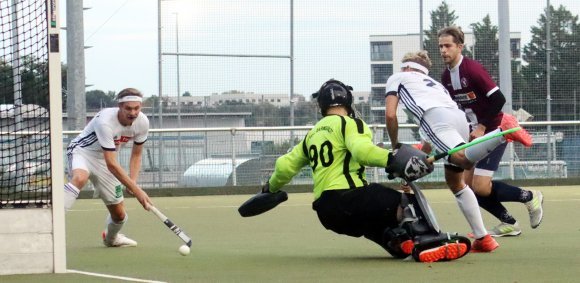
x,y
337,149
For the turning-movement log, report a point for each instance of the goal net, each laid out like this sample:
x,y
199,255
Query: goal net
x,y
30,137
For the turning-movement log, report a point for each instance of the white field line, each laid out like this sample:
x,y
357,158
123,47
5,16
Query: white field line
x,y
113,276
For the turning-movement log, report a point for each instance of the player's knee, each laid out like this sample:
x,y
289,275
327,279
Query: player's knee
x,y
118,214
481,187
454,178
79,179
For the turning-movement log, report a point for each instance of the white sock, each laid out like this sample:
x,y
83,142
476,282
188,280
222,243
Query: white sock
x,y
71,193
479,151
114,228
468,204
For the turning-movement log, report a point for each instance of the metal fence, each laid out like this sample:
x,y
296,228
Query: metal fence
x,y
241,54
215,157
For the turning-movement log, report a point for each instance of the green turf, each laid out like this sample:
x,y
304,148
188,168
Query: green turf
x,y
289,245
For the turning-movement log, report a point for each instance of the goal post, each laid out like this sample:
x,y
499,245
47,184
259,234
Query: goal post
x,y
32,238
56,138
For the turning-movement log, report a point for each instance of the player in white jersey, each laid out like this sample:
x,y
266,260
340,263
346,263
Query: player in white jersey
x,y
92,155
442,125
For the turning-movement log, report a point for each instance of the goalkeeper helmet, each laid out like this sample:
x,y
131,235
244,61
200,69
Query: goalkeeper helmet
x,y
334,93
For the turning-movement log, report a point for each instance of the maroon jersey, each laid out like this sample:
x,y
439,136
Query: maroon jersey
x,y
470,85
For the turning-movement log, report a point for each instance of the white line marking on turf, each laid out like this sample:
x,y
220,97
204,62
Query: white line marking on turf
x,y
113,276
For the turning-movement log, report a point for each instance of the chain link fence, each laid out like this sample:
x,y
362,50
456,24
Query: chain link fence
x,y
217,157
232,65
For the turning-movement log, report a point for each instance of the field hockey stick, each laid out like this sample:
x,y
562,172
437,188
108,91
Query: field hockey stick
x,y
171,226
472,143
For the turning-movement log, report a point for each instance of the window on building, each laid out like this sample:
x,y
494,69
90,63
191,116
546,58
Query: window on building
x,y
278,100
377,96
515,47
380,73
382,51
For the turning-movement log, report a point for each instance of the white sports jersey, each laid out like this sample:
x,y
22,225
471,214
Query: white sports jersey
x,y
418,93
105,132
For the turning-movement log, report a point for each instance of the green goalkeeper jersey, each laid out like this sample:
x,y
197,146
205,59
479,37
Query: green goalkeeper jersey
x,y
337,149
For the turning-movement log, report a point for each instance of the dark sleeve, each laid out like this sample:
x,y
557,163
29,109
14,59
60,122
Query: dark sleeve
x,y
496,102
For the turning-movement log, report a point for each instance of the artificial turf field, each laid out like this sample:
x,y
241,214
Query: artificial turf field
x,y
288,244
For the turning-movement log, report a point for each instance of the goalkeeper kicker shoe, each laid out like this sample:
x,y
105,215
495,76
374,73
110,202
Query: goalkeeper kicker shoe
x,y
506,229
445,252
484,245
522,136
535,209
407,247
120,241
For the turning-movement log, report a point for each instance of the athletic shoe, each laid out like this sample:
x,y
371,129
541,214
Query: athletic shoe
x,y
448,251
407,246
535,209
484,245
120,241
506,229
522,136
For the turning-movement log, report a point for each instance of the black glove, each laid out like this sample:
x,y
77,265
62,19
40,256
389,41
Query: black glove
x,y
408,163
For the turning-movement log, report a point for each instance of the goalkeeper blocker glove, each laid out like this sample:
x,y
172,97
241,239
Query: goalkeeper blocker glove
x,y
408,163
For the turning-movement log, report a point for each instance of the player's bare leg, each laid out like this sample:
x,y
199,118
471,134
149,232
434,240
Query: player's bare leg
x,y
115,221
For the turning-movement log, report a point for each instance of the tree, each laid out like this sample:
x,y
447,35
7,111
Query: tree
x,y
485,49
152,102
98,99
33,82
440,18
63,77
565,69
186,94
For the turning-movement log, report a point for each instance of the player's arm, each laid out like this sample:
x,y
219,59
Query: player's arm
x,y
358,139
137,151
485,84
497,100
287,166
117,170
135,161
391,103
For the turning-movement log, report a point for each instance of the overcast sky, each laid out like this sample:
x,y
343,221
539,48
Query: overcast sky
x,y
331,40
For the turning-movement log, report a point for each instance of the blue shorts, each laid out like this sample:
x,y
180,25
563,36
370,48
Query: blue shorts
x,y
491,161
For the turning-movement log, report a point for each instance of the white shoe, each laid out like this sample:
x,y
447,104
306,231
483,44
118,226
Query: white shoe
x,y
120,241
535,209
505,229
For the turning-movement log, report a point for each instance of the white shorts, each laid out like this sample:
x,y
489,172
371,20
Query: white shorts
x,y
444,128
106,185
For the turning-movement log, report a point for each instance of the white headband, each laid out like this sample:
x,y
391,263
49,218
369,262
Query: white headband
x,y
130,98
415,66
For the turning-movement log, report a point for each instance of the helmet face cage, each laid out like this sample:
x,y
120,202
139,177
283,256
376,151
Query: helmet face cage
x,y
334,93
